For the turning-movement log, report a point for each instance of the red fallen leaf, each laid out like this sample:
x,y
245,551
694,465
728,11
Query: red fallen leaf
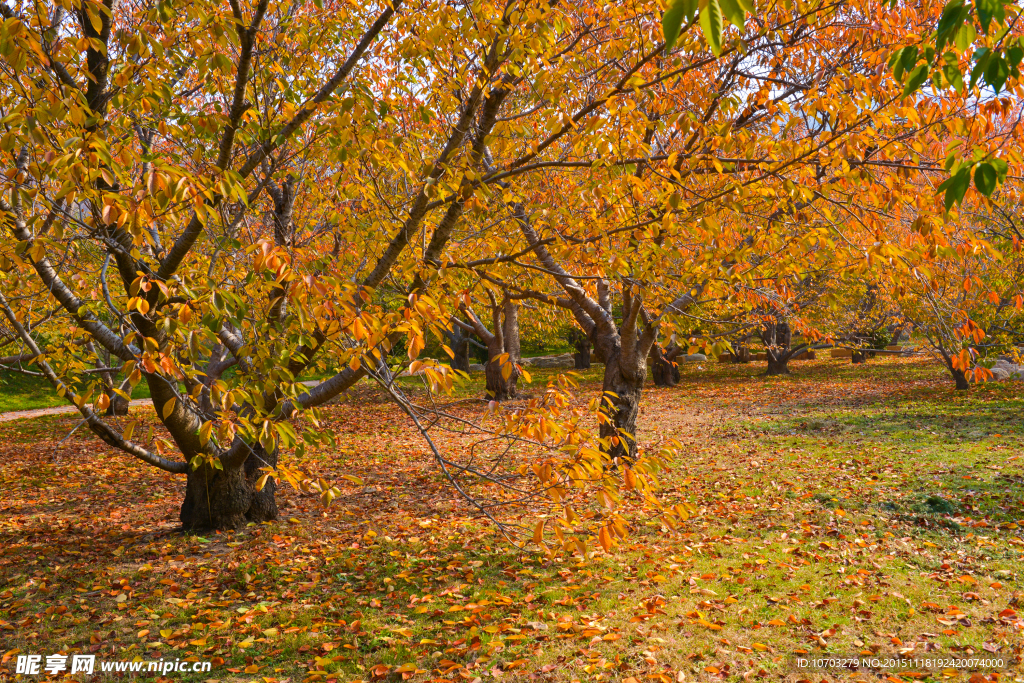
x,y
1008,612
380,671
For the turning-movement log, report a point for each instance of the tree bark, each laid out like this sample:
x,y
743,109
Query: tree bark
x,y
777,365
960,378
777,337
227,498
664,369
581,349
460,347
510,329
118,404
503,340
499,387
625,381
859,357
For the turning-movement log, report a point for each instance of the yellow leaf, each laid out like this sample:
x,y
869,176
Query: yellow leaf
x,y
204,432
169,408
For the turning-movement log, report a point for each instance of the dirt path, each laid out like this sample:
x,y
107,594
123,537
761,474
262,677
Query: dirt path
x,y
57,410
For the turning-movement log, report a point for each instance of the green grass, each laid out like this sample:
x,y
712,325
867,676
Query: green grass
x,y
26,392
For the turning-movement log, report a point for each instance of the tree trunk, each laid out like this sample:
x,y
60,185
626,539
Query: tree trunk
x,y
664,370
859,357
499,387
460,347
581,349
510,329
960,377
505,340
627,388
777,337
118,404
778,364
227,498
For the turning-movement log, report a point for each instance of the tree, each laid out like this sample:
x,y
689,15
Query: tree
x,y
220,247
502,369
707,165
965,297
133,182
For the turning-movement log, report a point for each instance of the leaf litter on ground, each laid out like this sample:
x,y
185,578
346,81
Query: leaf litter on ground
x,y
844,509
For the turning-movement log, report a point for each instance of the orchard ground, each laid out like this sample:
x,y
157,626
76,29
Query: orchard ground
x,y
843,509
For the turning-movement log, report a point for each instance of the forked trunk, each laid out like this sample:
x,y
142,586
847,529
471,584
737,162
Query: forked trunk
x,y
778,364
227,498
777,337
502,377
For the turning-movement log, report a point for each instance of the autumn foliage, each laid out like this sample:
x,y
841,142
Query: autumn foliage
x,y
221,200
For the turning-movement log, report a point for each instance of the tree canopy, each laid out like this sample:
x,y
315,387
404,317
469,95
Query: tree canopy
x,y
222,200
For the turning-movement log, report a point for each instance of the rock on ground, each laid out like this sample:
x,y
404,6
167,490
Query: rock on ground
x,y
1004,370
563,361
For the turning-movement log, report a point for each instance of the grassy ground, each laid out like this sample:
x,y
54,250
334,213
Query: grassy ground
x,y
843,510
26,392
